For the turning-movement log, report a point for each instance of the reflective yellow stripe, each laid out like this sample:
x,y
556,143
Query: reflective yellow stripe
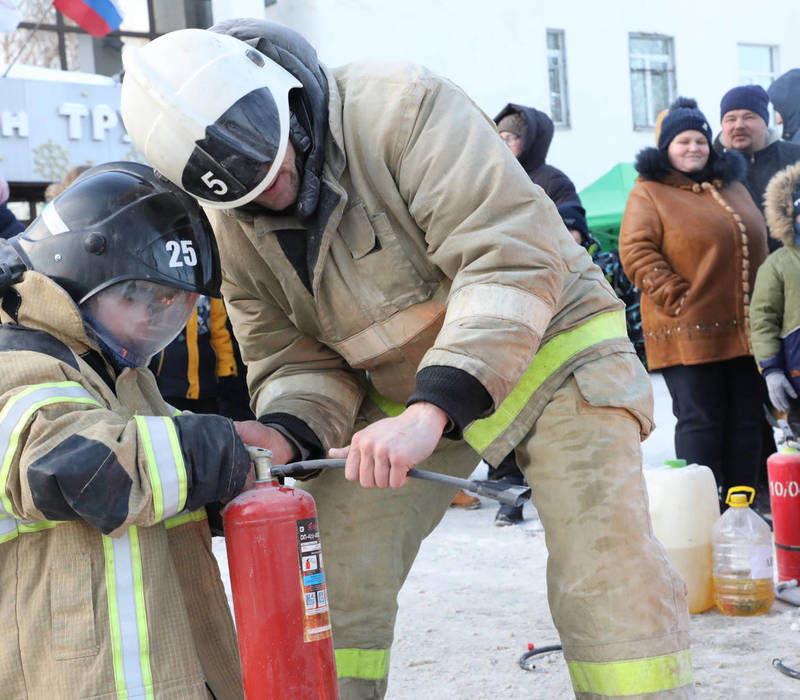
x,y
39,525
17,412
14,527
548,359
193,517
635,677
370,664
113,615
389,407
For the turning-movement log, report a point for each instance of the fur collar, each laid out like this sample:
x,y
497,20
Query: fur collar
x,y
653,164
779,204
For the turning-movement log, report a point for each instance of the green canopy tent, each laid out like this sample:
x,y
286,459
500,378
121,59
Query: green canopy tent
x,y
604,201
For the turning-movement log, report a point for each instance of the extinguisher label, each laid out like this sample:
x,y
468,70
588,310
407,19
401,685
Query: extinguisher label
x,y
316,617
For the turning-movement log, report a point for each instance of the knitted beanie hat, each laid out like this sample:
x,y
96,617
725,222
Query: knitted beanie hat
x,y
683,115
752,97
514,124
574,216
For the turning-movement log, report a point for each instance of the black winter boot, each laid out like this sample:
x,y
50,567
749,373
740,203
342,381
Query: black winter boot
x,y
508,515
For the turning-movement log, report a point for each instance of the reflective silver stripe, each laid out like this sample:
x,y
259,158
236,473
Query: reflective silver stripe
x,y
501,302
127,617
165,465
8,528
17,411
307,385
395,332
52,219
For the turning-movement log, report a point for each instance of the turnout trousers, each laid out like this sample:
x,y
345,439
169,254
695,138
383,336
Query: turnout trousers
x,y
617,603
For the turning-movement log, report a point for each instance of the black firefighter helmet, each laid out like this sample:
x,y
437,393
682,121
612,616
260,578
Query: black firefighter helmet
x,y
132,250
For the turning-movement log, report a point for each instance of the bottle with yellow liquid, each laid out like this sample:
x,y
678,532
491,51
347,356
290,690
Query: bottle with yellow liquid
x,y
742,546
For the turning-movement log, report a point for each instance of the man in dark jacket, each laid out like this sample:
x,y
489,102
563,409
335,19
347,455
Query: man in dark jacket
x,y
744,112
528,133
784,94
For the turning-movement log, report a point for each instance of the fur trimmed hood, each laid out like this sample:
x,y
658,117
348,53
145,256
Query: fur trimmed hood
x,y
779,204
653,164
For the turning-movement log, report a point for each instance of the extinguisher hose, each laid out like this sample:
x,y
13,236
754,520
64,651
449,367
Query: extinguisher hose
x,y
510,494
785,670
526,660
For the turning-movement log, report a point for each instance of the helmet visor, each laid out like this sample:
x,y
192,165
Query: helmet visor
x,y
136,319
238,151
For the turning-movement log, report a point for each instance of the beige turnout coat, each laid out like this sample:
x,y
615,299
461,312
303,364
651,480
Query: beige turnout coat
x,y
436,249
139,611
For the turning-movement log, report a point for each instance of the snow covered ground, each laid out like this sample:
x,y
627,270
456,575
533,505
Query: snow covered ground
x,y
476,597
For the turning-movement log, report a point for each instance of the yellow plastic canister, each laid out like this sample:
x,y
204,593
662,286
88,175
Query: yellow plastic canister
x,y
684,506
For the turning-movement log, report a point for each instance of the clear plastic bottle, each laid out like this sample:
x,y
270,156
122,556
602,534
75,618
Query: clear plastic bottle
x,y
742,546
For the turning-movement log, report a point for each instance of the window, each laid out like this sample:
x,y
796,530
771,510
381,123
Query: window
x,y
652,67
758,64
557,76
47,38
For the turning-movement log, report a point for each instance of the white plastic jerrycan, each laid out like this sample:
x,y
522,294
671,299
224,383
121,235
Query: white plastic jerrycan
x,y
684,506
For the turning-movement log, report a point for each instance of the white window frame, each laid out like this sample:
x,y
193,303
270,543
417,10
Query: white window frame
x,y
560,56
753,78
649,58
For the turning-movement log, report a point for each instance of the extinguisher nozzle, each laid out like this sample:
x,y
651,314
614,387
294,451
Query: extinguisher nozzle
x,y
508,494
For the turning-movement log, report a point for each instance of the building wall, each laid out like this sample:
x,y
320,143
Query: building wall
x,y
499,56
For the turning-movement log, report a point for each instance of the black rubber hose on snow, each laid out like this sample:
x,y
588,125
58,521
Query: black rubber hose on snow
x,y
525,660
785,670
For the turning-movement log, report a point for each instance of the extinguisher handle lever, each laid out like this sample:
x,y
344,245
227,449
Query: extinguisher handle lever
x,y
509,494
262,459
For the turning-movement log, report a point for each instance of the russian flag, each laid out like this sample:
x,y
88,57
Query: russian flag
x,y
98,17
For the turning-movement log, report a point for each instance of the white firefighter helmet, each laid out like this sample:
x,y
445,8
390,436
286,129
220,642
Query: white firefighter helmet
x,y
209,112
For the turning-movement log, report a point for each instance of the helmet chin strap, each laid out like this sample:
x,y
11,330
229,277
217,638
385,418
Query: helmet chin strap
x,y
117,361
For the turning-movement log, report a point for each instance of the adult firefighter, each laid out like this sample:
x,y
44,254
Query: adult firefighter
x,y
394,277
108,587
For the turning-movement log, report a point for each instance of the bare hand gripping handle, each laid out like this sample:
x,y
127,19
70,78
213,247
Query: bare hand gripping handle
x,y
509,494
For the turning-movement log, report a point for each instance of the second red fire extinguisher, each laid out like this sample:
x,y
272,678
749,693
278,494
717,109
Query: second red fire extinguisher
x,y
279,591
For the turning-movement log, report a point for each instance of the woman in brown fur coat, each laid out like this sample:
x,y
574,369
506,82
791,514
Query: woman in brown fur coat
x,y
692,240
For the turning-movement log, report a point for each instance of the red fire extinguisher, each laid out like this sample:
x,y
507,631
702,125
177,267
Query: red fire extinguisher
x,y
783,470
280,597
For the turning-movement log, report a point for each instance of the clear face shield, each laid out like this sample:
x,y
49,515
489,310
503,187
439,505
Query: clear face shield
x,y
135,319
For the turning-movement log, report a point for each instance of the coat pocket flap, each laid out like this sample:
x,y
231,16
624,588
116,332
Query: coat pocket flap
x,y
357,232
